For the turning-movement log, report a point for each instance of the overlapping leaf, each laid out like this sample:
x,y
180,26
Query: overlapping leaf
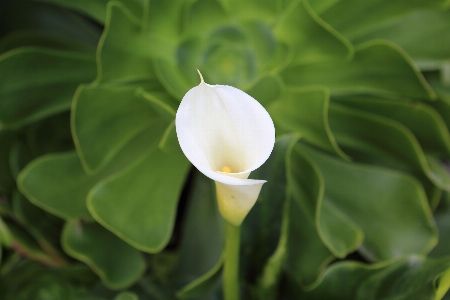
x,y
118,264
315,40
59,184
378,140
146,194
425,123
353,18
25,95
305,111
411,278
377,67
424,35
371,200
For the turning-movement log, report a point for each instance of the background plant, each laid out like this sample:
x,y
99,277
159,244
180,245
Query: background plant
x,y
97,199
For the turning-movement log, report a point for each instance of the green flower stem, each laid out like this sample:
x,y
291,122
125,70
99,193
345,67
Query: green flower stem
x,y
231,289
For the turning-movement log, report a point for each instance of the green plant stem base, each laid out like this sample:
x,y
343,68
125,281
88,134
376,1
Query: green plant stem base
x,y
231,289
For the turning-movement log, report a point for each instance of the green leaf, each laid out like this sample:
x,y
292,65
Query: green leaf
x,y
424,35
126,296
118,264
378,67
171,78
425,123
41,226
337,231
27,96
252,9
353,18
314,40
6,179
202,233
444,284
202,16
307,254
164,105
105,119
97,8
410,278
27,279
202,284
379,140
49,135
43,39
284,229
374,199
124,52
261,229
442,217
162,20
19,156
58,183
5,235
266,89
139,203
305,111
442,104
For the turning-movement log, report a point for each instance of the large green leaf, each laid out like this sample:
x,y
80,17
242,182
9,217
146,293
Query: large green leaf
x,y
410,278
374,200
377,67
379,140
252,9
307,255
353,18
139,203
314,40
27,96
118,264
266,89
425,35
202,285
199,260
425,123
124,52
37,38
58,183
202,233
171,78
203,16
97,8
305,111
261,229
105,119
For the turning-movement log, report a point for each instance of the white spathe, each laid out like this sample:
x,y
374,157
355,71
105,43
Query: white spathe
x,y
222,128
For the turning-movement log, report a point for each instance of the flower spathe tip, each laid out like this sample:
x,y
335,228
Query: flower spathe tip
x,y
201,77
226,134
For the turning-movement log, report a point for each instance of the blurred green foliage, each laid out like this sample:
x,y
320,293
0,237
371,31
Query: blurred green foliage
x,y
98,202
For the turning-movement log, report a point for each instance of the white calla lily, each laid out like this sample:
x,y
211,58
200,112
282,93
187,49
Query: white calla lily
x,y
226,134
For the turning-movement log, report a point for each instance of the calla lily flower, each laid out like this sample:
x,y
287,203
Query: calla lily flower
x,y
226,134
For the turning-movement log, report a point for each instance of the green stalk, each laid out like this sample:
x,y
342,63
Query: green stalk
x,y
231,289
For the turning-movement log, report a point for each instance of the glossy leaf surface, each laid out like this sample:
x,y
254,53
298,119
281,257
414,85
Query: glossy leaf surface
x,y
118,264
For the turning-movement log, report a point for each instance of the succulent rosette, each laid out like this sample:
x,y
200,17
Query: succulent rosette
x,y
359,95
